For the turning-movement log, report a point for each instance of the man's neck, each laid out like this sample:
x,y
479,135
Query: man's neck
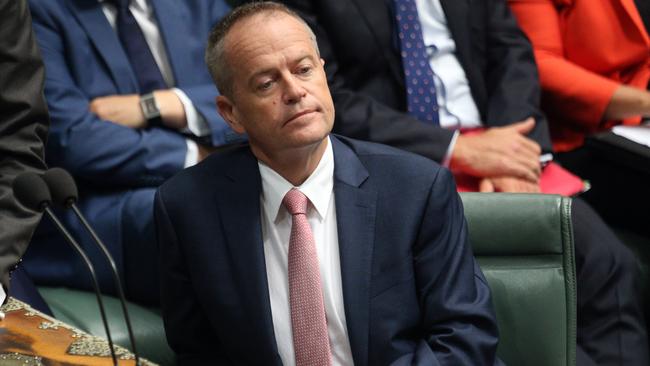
x,y
295,165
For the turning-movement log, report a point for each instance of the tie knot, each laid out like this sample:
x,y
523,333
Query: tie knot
x,y
295,202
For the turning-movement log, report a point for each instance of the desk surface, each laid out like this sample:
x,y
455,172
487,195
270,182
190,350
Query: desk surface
x,y
28,337
620,150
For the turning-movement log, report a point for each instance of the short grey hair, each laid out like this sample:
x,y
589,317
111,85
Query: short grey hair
x,y
215,53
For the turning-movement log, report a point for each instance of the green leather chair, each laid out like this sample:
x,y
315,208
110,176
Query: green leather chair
x,y
523,243
80,309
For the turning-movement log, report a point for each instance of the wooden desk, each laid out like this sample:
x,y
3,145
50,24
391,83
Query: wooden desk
x,y
29,337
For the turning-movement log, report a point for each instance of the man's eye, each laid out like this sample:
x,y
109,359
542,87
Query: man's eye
x,y
265,86
304,70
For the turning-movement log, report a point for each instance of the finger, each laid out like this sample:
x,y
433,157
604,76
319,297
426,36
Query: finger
x,y
528,187
485,185
529,146
523,170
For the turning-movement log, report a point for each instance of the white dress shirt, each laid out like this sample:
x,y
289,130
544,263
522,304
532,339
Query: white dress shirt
x,y
3,295
276,229
457,108
143,14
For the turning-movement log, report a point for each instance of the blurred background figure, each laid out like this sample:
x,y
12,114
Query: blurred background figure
x,y
594,65
131,103
23,130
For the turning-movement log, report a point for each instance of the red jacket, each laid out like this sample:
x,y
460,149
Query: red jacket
x,y
584,50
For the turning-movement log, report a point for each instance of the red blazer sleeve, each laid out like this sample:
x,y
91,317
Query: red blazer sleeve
x,y
576,93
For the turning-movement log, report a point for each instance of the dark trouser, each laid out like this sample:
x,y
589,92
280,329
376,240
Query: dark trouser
x,y
23,289
620,191
611,325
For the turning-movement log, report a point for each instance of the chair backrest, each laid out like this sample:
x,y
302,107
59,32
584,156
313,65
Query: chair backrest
x,y
524,245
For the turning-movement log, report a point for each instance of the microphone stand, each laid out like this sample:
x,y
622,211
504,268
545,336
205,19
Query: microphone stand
x,y
83,255
116,277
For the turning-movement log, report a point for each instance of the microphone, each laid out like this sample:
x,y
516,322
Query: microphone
x,y
64,193
32,191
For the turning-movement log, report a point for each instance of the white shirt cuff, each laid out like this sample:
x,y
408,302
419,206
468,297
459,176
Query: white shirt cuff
x,y
450,149
196,124
3,295
192,156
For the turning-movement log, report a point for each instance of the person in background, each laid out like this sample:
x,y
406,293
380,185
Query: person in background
x,y
131,104
591,84
404,72
23,131
305,248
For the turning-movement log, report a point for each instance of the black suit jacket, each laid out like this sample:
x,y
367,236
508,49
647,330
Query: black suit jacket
x,y
23,127
363,64
412,292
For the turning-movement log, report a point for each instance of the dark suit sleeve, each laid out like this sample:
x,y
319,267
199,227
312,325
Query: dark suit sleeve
x,y
359,115
23,126
458,320
95,150
511,74
189,332
203,93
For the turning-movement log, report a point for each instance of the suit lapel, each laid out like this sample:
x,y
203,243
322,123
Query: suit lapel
x,y
458,22
239,206
377,16
172,22
105,41
355,216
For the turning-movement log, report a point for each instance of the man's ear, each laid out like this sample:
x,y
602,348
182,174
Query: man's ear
x,y
228,112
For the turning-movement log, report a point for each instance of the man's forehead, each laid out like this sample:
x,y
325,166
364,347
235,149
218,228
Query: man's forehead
x,y
265,27
269,41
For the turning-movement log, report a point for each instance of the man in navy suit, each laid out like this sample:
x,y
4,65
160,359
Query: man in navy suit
x,y
378,252
119,135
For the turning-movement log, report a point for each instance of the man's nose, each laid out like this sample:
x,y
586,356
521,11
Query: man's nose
x,y
294,91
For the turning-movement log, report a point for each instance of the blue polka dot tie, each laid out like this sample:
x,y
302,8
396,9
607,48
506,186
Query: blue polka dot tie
x,y
418,76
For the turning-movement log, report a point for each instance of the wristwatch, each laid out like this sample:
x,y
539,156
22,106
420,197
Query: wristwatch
x,y
150,109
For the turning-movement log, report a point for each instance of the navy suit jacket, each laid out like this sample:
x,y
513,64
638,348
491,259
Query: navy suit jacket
x,y
413,293
117,168
364,67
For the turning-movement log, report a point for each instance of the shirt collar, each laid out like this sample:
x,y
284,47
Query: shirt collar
x,y
318,187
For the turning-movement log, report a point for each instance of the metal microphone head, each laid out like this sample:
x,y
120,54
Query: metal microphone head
x,y
62,187
31,190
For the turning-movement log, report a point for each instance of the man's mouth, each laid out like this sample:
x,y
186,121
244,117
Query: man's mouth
x,y
300,114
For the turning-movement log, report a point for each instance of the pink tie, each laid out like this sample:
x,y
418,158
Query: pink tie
x,y
310,337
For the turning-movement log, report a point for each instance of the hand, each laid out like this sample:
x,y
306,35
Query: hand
x,y
498,152
172,111
121,109
125,109
508,184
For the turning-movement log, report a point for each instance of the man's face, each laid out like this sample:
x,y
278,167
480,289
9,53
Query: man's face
x,y
280,96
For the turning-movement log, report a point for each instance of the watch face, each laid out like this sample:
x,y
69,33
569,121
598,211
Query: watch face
x,y
149,106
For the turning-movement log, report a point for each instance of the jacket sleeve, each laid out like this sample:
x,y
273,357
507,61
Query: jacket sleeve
x,y
458,321
23,127
202,90
188,331
95,150
580,94
360,116
203,98
512,80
